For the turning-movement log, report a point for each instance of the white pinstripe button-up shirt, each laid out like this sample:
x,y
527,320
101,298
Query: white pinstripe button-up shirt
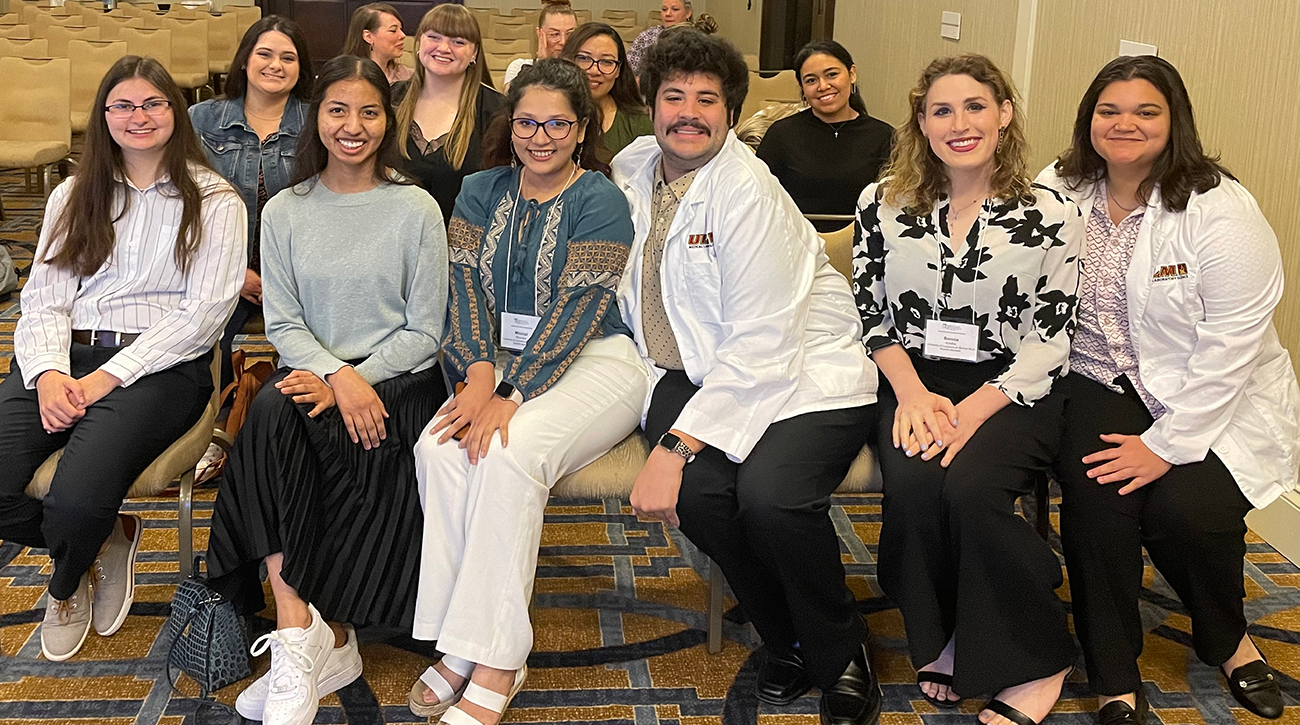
x,y
140,288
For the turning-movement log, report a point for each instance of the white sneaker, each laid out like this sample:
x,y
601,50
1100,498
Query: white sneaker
x,y
297,658
342,667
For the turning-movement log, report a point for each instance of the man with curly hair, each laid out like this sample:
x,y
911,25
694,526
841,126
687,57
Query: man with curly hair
x,y
764,394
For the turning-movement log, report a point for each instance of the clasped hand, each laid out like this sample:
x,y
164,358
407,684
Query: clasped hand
x,y
930,424
475,407
362,410
63,399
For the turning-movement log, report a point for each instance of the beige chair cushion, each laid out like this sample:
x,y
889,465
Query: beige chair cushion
x,y
181,456
27,154
612,475
79,121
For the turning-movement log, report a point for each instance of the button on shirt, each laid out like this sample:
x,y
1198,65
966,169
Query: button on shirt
x,y
139,288
660,341
1103,347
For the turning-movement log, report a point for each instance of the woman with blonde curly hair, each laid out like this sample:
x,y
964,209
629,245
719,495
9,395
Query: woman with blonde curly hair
x,y
965,276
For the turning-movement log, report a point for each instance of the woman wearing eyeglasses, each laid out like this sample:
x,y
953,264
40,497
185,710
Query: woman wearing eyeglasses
x,y
552,382
598,50
555,24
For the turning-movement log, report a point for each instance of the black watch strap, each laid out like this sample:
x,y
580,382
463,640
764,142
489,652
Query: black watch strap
x,y
504,390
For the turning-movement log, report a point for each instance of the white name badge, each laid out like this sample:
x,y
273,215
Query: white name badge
x,y
517,330
952,340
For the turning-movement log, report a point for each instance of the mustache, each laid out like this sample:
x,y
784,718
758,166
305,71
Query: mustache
x,y
690,124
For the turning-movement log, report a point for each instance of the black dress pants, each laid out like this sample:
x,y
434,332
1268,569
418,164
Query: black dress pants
x,y
119,436
955,557
1192,521
766,523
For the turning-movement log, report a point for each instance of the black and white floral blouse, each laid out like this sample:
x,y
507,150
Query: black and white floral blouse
x,y
1017,277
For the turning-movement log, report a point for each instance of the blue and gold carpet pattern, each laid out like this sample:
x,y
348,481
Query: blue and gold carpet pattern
x,y
619,621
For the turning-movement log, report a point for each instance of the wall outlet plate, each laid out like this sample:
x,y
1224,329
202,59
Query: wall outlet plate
x,y
950,25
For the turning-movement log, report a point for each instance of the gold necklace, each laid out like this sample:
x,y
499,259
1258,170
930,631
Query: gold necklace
x,y
1115,201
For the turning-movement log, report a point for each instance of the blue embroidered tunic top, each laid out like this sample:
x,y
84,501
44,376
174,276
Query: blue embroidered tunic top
x,y
560,260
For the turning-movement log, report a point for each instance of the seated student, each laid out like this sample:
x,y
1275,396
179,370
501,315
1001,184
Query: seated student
x,y
1181,404
764,394
321,481
598,50
553,381
555,24
965,276
249,136
375,32
444,110
139,264
825,154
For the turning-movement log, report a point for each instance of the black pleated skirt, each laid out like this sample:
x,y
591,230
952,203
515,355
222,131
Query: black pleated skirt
x,y
347,520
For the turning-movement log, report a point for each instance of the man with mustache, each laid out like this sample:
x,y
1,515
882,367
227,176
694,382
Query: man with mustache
x,y
764,393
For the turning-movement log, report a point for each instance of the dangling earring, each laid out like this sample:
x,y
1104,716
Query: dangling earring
x,y
1002,137
514,157
577,154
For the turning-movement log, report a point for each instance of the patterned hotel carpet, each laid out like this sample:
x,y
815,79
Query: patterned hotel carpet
x,y
619,623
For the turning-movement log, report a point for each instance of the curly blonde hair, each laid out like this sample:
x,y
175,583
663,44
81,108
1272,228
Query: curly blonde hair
x,y
915,178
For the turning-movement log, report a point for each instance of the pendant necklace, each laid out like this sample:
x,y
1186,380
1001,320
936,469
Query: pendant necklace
x,y
835,127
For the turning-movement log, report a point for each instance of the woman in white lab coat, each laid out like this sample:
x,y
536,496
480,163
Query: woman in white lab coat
x,y
1180,412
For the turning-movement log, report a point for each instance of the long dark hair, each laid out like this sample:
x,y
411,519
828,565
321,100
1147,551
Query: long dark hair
x,y
237,80
97,197
839,53
557,75
624,91
1182,169
312,155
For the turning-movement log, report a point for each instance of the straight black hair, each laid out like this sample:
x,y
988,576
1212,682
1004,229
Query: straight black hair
x,y
237,79
839,53
312,155
624,92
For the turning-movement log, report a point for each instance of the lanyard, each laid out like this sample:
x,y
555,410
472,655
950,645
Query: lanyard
x,y
982,221
513,229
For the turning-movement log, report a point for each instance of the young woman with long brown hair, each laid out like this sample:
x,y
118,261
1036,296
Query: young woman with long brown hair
x,y
965,275
375,32
138,267
444,110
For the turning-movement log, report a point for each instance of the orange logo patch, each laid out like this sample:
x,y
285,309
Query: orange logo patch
x,y
1170,271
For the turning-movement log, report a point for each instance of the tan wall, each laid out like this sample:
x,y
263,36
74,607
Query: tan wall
x,y
740,24
892,40
1240,60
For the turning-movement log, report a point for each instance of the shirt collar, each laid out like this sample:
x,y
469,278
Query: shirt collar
x,y
677,187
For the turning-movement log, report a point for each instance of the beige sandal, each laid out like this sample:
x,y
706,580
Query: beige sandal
x,y
486,699
433,681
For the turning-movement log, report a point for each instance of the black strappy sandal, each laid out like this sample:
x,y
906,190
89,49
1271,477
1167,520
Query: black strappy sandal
x,y
937,678
1009,712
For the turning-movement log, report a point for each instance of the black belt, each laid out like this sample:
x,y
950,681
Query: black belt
x,y
104,338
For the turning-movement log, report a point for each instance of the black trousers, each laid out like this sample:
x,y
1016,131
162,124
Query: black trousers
x,y
955,557
1192,521
766,523
244,311
105,451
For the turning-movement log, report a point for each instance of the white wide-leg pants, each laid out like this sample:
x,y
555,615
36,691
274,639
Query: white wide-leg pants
x,y
483,523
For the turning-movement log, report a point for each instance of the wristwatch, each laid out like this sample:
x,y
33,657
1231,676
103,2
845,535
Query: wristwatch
x,y
674,443
506,391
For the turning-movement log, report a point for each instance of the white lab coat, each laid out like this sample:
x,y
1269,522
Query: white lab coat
x,y
766,326
1201,287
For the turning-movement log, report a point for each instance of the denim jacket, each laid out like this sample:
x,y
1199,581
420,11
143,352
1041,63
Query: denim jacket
x,y
234,150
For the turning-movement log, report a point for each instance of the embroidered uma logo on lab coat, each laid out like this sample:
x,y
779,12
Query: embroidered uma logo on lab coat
x,y
1170,271
700,241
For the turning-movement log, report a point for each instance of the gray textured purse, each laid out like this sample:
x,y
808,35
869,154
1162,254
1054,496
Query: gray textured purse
x,y
208,640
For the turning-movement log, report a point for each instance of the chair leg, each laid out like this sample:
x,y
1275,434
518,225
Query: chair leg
x,y
27,181
185,524
47,180
714,644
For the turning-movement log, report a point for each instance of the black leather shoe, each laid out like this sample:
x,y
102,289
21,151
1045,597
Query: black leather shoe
x,y
1118,712
854,699
781,677
1255,686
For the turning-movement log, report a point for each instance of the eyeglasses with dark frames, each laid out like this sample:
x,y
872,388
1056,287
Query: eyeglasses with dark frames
x,y
151,107
606,66
556,129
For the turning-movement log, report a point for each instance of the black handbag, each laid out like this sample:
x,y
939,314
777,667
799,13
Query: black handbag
x,y
208,639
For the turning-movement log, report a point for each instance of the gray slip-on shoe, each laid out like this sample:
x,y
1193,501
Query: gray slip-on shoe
x,y
66,624
114,576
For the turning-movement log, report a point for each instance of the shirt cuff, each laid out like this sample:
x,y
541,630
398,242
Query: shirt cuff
x,y
44,363
124,368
